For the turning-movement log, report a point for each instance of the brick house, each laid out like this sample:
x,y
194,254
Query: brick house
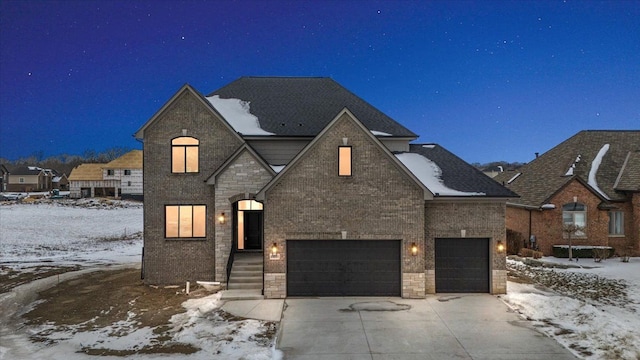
x,y
323,188
592,180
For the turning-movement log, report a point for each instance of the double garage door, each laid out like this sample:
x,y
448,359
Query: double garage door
x,y
373,267
343,268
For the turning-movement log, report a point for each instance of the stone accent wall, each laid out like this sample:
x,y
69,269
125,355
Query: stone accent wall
x,y
498,282
173,261
245,175
477,217
379,201
430,281
413,285
275,285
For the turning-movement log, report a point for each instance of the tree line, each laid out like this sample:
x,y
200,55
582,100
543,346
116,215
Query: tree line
x,y
64,163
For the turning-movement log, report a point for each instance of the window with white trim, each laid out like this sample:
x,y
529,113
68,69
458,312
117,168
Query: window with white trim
x,y
184,155
185,221
616,223
575,214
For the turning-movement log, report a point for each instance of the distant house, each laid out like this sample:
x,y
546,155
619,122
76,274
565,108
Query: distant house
x,y
29,179
120,178
4,177
591,180
320,192
60,182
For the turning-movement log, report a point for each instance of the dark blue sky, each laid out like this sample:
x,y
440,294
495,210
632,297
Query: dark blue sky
x,y
487,80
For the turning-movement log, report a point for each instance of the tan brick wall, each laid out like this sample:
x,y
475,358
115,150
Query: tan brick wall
x,y
247,176
312,202
430,281
275,285
478,218
413,285
176,261
498,282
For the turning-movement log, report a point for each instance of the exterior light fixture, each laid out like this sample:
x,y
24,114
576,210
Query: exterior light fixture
x,y
500,246
274,248
414,249
221,218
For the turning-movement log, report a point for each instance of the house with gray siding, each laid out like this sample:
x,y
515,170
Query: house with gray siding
x,y
298,187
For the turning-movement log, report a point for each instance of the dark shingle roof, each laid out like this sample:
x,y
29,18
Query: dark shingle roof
x,y
545,175
292,106
629,178
26,170
458,174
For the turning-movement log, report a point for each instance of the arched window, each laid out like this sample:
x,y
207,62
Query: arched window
x,y
184,155
575,214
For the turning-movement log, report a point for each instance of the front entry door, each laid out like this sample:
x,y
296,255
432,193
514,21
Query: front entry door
x,y
253,230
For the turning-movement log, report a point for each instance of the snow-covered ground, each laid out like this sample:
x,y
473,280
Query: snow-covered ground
x,y
593,310
91,233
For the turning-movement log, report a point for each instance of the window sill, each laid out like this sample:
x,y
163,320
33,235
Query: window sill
x,y
617,236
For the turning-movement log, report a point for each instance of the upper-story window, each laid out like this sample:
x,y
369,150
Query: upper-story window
x,y
127,172
344,161
184,155
575,214
110,172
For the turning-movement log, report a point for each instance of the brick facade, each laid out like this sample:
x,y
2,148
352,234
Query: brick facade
x,y
479,219
379,201
242,178
546,224
165,259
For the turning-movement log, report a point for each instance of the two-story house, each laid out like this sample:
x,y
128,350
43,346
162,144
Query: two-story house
x,y
326,189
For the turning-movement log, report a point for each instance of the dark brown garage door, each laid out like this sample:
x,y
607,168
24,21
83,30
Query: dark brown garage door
x,y
343,268
462,265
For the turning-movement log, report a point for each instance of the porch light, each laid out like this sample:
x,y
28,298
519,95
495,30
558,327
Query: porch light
x,y
414,249
274,248
221,218
500,246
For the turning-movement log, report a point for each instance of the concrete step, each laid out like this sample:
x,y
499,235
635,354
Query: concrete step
x,y
242,295
244,286
256,268
246,277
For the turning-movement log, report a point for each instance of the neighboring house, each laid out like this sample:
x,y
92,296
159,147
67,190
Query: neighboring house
x,y
4,177
493,171
121,177
323,186
29,179
591,180
128,170
60,182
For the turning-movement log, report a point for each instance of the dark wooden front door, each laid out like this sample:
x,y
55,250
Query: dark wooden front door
x,y
253,230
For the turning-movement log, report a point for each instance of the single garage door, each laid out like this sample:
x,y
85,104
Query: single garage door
x,y
462,265
343,268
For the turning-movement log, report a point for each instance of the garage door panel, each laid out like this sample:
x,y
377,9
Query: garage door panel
x,y
343,268
462,265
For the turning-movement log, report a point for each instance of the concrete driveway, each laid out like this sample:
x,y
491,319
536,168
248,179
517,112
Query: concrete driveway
x,y
456,326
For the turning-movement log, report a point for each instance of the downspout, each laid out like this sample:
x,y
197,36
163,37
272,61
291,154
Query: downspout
x,y
529,225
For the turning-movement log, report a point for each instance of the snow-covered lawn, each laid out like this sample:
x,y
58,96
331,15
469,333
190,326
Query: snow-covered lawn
x,y
593,309
96,233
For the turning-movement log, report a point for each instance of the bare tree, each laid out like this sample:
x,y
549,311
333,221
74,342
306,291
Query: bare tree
x,y
571,229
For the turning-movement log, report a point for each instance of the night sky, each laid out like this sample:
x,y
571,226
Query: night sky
x,y
487,80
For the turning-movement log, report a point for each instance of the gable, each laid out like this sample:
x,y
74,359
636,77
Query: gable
x,y
245,154
371,161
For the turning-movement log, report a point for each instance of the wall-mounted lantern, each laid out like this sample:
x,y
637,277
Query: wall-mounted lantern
x,y
274,248
414,249
500,246
222,219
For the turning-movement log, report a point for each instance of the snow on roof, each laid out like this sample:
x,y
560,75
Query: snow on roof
x,y
238,115
380,133
430,174
573,166
277,168
595,164
548,206
513,178
429,146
